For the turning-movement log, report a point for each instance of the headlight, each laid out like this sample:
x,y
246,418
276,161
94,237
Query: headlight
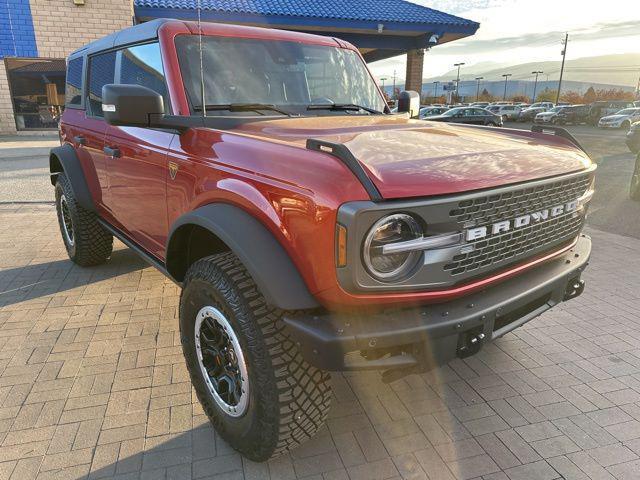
x,y
395,228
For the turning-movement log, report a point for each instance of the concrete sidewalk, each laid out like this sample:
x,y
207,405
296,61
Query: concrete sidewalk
x,y
93,384
24,168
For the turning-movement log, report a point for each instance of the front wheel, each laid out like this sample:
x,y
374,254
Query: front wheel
x,y
634,187
259,393
626,125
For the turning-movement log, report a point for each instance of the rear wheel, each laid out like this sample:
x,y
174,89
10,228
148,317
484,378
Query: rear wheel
x,y
86,241
626,125
634,187
255,387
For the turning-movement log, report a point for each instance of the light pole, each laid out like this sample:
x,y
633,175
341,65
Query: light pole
x,y
393,93
458,80
383,79
506,77
478,87
435,95
564,56
535,84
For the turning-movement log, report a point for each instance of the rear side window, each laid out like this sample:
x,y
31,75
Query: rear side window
x,y
73,87
142,65
101,72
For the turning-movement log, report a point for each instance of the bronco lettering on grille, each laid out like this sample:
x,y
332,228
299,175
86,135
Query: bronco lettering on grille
x,y
521,221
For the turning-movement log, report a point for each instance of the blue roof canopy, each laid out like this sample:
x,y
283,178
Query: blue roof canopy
x,y
379,28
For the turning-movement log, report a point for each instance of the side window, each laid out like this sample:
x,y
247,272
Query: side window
x,y
101,72
73,87
142,65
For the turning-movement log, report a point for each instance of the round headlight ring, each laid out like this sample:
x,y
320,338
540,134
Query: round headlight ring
x,y
400,264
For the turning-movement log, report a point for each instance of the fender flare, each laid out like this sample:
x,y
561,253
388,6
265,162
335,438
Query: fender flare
x,y
260,252
68,161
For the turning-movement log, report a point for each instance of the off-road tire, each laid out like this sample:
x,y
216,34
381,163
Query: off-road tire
x,y
634,186
288,398
92,244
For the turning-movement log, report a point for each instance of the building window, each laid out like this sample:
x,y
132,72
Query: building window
x,y
101,72
37,91
73,87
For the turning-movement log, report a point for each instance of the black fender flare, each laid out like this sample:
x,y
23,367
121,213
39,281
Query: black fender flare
x,y
64,158
265,258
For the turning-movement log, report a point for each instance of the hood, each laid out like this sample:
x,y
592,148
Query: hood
x,y
415,158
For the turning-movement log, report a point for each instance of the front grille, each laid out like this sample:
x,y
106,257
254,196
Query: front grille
x,y
509,247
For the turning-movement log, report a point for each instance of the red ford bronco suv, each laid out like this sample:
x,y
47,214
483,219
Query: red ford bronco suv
x,y
310,229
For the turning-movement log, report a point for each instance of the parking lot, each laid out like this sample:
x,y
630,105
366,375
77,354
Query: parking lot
x,y
93,383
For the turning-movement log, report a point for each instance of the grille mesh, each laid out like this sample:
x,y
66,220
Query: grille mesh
x,y
508,247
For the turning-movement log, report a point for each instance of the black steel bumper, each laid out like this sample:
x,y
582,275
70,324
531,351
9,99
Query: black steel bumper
x,y
432,335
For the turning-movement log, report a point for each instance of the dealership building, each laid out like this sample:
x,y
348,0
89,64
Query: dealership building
x,y
37,35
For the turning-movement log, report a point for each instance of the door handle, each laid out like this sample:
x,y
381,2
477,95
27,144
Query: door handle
x,y
80,140
112,152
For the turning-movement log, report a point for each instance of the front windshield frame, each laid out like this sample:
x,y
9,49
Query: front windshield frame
x,y
355,86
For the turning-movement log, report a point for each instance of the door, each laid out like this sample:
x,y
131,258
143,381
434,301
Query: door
x,y
90,137
137,162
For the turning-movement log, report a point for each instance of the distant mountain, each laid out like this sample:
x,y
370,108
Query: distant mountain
x,y
619,69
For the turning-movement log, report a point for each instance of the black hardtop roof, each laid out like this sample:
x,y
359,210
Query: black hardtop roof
x,y
137,33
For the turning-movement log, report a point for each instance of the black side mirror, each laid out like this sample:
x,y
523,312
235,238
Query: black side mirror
x,y
409,101
130,105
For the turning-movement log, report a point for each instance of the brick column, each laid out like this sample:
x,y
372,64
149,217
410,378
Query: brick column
x,y
413,78
7,121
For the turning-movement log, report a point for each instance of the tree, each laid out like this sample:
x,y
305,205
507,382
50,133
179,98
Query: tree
x,y
546,95
520,98
590,95
572,97
485,96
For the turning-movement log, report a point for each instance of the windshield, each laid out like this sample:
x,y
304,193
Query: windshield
x,y
452,112
289,75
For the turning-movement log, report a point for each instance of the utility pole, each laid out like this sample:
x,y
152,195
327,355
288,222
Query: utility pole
x,y
564,55
638,89
535,84
478,87
435,96
506,77
458,80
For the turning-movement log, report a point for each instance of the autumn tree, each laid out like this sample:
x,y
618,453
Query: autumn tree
x,y
485,96
589,96
547,95
520,98
571,97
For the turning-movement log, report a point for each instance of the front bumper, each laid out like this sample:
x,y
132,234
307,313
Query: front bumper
x,y
432,335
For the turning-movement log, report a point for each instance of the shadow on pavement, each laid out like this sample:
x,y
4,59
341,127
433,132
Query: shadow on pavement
x,y
30,282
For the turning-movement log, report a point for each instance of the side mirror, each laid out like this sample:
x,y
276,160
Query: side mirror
x,y
131,105
409,101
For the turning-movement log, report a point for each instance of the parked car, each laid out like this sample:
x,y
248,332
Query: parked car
x,y
605,108
480,104
573,114
633,138
308,229
507,112
432,111
528,114
622,119
547,117
633,142
546,105
471,115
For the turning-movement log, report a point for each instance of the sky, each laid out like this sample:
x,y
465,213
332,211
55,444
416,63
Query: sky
x,y
521,31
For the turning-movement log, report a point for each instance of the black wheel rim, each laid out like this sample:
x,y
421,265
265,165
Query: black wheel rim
x,y
222,361
67,224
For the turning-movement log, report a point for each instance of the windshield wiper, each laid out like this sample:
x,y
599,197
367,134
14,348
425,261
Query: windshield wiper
x,y
244,107
342,106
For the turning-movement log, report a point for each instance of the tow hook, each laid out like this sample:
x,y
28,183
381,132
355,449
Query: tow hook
x,y
574,289
470,342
